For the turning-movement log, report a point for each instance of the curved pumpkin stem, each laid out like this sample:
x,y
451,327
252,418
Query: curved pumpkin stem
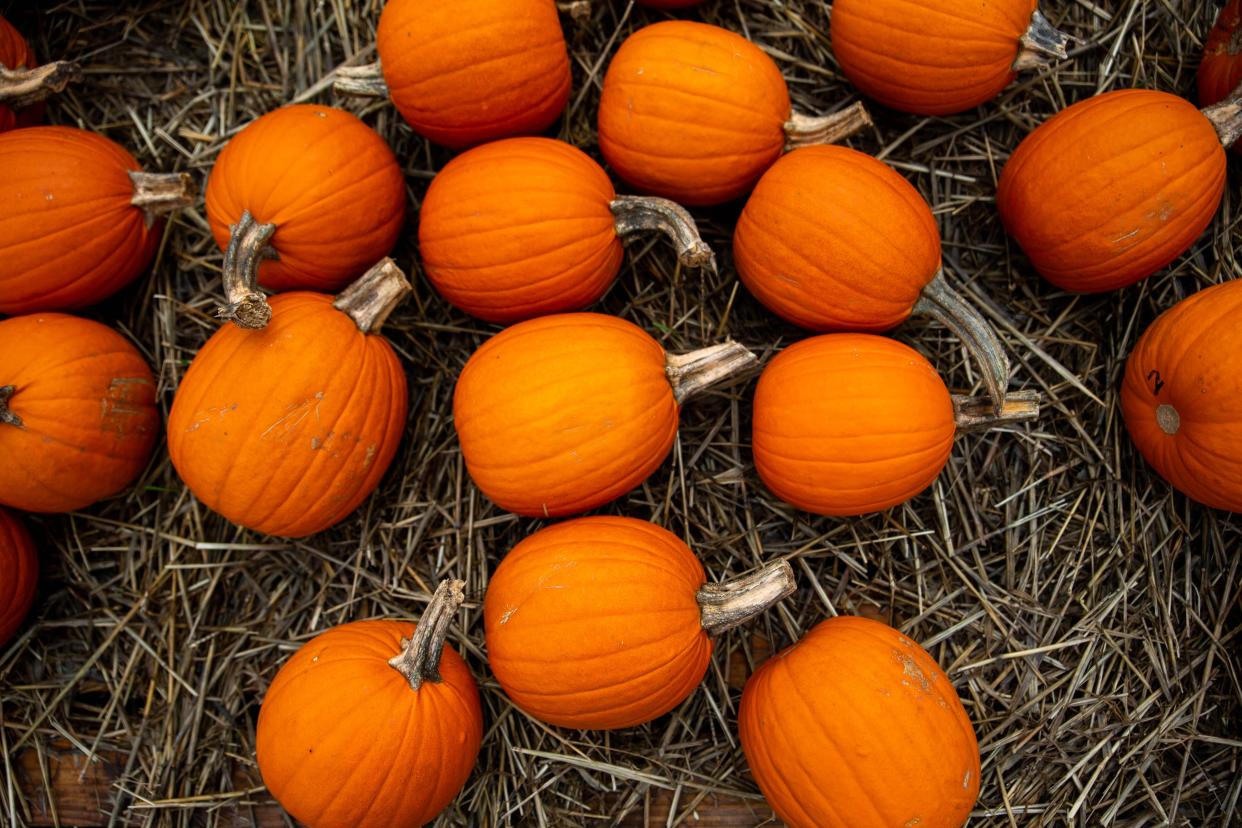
x,y
1041,44
8,417
637,213
247,307
420,660
942,303
160,193
23,87
980,413
698,370
375,294
805,130
1226,117
366,81
725,606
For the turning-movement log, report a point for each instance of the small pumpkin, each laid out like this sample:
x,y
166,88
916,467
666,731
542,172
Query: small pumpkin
x,y
563,413
327,184
696,113
624,596
372,724
1182,396
1220,72
79,219
78,420
856,726
287,420
23,83
19,573
529,226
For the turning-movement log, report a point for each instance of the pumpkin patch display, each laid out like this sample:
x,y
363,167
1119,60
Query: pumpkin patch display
x,y
624,596
856,726
1220,71
23,83
372,724
19,573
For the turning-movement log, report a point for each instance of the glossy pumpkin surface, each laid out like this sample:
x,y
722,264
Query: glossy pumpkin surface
x,y
856,726
1220,72
19,573
1110,190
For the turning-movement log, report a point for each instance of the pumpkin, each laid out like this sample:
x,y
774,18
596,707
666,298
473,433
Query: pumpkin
x,y
1182,396
856,726
23,83
286,421
79,220
1220,72
696,113
78,420
19,572
563,413
327,184
623,596
1113,188
372,724
529,226
851,423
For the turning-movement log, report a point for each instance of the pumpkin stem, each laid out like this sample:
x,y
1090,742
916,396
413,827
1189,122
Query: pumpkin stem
x,y
161,193
420,660
1167,417
1041,44
698,370
248,243
8,417
806,130
942,303
23,87
636,213
1226,116
579,10
366,81
725,606
980,413
374,295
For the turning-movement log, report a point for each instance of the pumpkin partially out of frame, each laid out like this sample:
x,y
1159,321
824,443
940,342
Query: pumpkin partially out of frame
x,y
1220,71
19,573
23,82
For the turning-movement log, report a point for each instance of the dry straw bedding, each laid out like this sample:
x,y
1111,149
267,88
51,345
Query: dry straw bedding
x,y
1088,615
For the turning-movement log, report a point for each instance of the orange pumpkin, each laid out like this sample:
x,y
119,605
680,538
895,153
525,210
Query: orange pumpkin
x,y
938,57
1220,72
23,83
1182,396
627,598
530,226
564,413
1109,190
79,220
325,181
78,420
856,726
696,113
19,572
374,724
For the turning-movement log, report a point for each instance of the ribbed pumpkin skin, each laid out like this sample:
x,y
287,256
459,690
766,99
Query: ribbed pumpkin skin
x,y
856,726
520,228
692,112
343,742
1109,190
86,399
471,71
850,423
326,180
69,236
19,572
286,430
832,239
1189,359
564,413
593,623
16,54
1220,72
929,57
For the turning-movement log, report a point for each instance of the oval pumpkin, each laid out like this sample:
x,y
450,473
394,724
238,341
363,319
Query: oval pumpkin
x,y
373,724
79,220
19,573
1182,396
325,181
856,726
1220,72
606,622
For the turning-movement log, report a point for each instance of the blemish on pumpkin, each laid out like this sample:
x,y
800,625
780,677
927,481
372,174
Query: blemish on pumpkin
x,y
370,458
504,619
295,414
966,780
912,823
911,670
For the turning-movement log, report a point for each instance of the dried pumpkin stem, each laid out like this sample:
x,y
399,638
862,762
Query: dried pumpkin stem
x,y
374,295
161,193
806,130
698,370
980,414
1042,43
248,244
579,10
7,417
419,661
1226,116
366,81
725,606
23,87
942,303
638,213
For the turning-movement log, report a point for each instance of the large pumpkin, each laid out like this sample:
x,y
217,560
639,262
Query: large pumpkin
x,y
19,573
326,183
528,226
373,724
79,220
78,419
564,413
1182,396
856,726
23,83
607,622
1220,72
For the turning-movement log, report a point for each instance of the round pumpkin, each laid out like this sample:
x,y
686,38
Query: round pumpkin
x,y
524,227
78,420
563,413
325,181
372,724
79,220
1182,396
856,726
606,622
471,71
1220,72
19,573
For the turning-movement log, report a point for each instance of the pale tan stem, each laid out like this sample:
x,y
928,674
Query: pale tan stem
x,y
8,417
158,194
805,130
419,660
698,370
1226,117
980,413
248,245
578,10
1041,44
1168,418
23,87
943,304
725,606
638,213
366,81
374,295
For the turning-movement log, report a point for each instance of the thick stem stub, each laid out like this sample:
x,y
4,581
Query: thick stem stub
x,y
1168,418
638,213
419,661
942,303
805,130
248,245
366,81
1226,117
981,413
7,417
375,294
158,194
698,370
579,10
23,87
1041,44
725,606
